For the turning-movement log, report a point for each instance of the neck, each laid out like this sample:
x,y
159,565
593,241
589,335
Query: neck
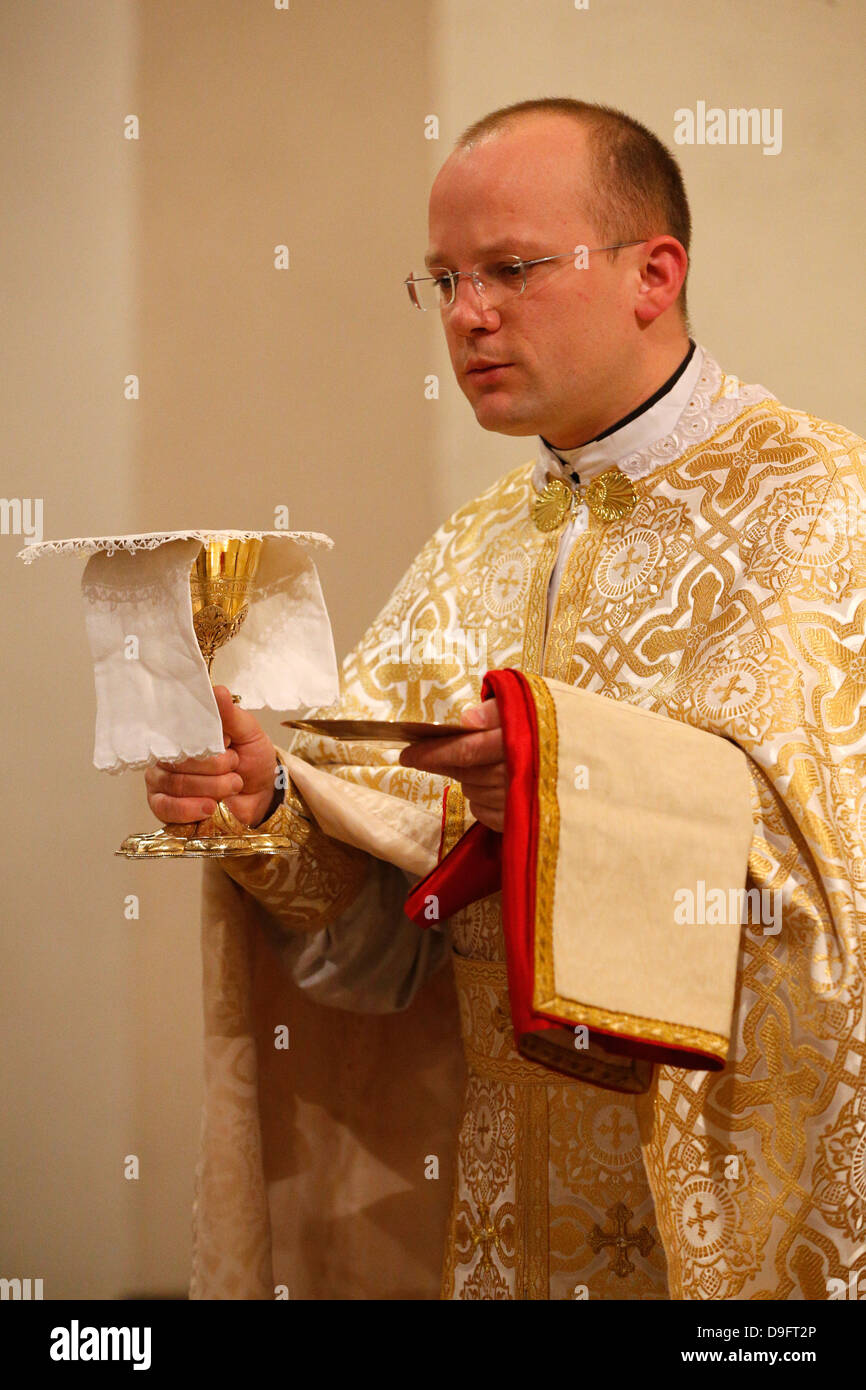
x,y
644,380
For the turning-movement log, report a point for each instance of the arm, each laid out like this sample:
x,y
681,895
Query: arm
x,y
333,914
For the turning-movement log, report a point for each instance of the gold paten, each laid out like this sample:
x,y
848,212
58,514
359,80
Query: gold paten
x,y
610,496
220,582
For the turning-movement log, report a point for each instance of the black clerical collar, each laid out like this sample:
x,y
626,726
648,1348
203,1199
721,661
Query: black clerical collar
x,y
646,405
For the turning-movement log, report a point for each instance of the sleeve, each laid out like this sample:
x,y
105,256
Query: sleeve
x,y
333,910
371,958
806,728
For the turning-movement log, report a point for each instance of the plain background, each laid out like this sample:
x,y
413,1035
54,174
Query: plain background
x,y
304,388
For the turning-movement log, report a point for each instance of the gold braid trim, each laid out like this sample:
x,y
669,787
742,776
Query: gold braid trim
x,y
548,836
455,814
634,1026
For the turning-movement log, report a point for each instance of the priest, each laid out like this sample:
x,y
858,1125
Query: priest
x,y
673,585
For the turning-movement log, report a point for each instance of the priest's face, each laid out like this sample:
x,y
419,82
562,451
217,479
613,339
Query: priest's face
x,y
557,359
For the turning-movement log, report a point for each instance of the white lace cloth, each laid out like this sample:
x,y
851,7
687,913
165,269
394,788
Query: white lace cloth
x,y
153,697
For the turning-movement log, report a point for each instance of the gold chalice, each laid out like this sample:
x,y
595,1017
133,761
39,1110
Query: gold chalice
x,y
221,579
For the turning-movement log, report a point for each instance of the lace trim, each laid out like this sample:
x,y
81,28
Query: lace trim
x,y
717,399
152,540
112,592
115,769
112,596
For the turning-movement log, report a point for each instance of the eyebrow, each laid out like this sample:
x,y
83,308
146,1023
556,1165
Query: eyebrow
x,y
435,258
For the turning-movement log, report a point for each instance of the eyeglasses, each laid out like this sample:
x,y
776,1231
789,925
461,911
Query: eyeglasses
x,y
494,281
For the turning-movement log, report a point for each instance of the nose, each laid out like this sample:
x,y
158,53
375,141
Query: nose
x,y
469,310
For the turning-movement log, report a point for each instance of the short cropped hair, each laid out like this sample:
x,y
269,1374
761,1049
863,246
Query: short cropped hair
x,y
637,185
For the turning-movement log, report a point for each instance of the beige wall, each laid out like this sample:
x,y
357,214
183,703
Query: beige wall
x,y
69,981
257,389
305,388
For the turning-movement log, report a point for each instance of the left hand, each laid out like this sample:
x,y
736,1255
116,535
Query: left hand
x,y
476,761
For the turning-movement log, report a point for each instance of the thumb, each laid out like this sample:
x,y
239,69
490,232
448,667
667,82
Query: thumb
x,y
239,725
483,716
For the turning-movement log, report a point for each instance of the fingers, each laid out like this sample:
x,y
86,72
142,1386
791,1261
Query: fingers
x,y
483,716
182,784
226,706
177,796
239,725
488,775
476,760
180,811
189,791
489,814
219,763
451,756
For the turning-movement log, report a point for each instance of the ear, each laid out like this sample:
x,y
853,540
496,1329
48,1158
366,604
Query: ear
x,y
662,272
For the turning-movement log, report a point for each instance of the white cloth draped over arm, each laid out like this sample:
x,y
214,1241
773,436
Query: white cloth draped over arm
x,y
333,910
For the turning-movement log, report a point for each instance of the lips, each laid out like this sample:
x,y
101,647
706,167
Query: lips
x,y
480,367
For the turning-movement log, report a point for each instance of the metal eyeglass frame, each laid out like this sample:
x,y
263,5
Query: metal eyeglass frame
x,y
454,275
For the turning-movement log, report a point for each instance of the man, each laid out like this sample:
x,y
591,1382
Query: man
x,y
724,592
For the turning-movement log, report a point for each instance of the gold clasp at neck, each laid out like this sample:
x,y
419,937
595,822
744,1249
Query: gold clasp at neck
x,y
610,496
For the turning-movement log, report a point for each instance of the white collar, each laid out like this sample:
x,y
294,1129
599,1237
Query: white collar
x,y
620,447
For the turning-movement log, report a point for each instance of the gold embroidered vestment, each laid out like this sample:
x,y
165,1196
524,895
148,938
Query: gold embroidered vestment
x,y
731,596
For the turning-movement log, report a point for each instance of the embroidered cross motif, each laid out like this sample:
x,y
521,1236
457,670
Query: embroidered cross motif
x,y
733,686
616,1129
621,1240
630,562
486,1234
508,581
702,1219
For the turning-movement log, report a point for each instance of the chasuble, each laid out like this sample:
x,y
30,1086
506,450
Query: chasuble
x,y
716,580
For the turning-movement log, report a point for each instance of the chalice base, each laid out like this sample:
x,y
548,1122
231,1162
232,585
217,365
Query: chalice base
x,y
204,839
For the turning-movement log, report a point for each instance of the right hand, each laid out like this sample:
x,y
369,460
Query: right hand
x,y
242,776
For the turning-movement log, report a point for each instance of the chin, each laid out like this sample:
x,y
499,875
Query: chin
x,y
497,422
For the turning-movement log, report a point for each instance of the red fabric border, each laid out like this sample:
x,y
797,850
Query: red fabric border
x,y
472,869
